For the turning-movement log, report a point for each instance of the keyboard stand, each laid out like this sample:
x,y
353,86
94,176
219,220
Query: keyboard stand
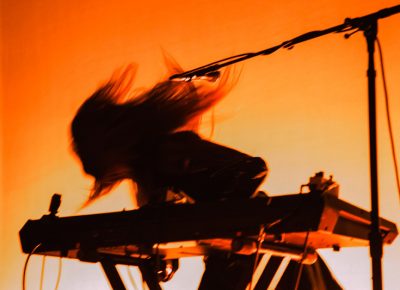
x,y
108,263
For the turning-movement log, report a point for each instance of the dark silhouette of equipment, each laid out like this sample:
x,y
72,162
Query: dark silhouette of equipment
x,y
154,237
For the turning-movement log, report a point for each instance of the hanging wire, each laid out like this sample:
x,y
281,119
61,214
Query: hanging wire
x,y
42,272
387,106
301,262
26,264
260,240
58,274
131,279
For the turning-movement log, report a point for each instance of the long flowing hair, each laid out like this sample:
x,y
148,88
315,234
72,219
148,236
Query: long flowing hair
x,y
114,126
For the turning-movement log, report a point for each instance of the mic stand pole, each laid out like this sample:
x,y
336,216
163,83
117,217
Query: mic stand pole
x,y
375,238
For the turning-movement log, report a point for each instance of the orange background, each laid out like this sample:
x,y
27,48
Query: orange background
x,y
302,110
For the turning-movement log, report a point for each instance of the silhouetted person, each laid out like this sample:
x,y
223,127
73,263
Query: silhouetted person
x,y
145,138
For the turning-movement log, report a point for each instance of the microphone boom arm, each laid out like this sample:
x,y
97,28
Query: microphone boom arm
x,y
348,25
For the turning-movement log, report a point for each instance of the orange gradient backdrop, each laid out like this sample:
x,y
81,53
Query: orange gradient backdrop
x,y
302,110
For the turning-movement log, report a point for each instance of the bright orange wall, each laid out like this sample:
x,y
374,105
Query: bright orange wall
x,y
302,110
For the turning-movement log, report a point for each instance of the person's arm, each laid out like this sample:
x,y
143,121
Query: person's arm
x,y
208,171
149,193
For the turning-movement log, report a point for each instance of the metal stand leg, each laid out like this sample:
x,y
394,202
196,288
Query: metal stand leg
x,y
259,270
149,276
146,267
112,274
279,273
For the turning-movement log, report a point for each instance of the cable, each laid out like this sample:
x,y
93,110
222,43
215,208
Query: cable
x,y
42,272
131,279
42,269
26,264
59,273
396,169
260,240
301,262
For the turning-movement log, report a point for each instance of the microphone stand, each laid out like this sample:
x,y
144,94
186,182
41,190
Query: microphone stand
x,y
375,238
369,25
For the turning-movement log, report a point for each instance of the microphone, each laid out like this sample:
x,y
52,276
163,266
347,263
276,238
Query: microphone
x,y
211,76
55,204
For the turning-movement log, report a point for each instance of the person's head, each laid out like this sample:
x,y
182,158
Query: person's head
x,y
112,127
